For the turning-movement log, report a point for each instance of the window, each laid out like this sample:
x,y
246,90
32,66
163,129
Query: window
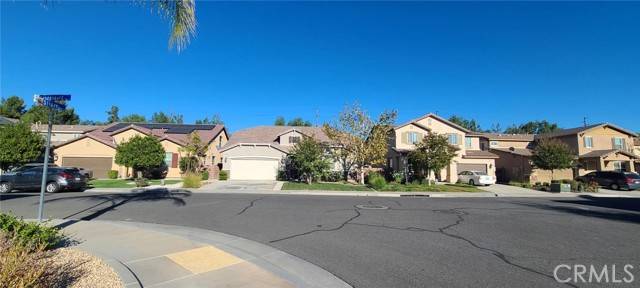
x,y
493,144
219,142
213,159
617,166
483,146
618,143
468,142
168,158
294,139
588,142
412,137
390,162
453,139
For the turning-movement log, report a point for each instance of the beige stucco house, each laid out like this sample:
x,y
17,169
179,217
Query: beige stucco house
x,y
96,149
599,147
472,155
63,133
257,153
636,150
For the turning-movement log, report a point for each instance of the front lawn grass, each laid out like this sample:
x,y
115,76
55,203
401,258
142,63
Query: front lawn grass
x,y
337,186
430,188
125,183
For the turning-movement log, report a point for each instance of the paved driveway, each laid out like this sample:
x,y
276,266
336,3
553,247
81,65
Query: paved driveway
x,y
239,185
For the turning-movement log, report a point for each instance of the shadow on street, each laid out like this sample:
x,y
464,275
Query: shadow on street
x,y
117,200
627,207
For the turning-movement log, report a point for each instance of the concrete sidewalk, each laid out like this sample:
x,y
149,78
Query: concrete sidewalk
x,y
153,255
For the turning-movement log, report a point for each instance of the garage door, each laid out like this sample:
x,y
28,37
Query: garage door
x,y
99,165
472,167
253,169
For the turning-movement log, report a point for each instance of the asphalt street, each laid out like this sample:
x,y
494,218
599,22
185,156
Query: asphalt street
x,y
392,242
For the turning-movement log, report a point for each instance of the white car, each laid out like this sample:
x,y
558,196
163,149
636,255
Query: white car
x,y
476,178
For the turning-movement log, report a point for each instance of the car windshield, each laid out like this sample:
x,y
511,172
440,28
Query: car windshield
x,y
480,173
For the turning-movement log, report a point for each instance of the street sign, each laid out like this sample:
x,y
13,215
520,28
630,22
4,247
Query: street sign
x,y
53,101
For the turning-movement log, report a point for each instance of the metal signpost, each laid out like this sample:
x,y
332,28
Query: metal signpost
x,y
54,103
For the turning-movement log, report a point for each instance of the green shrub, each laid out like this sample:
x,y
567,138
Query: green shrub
x,y
398,177
205,175
30,234
142,182
224,175
332,176
188,164
377,181
112,174
191,181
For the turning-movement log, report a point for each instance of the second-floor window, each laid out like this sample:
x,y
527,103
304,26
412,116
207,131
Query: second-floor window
x,y
453,139
412,137
618,143
468,143
294,139
493,144
588,142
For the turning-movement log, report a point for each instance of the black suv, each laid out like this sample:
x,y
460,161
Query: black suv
x,y
613,179
30,178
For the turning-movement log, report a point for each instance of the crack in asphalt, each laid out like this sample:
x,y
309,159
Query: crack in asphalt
x,y
460,219
321,230
253,202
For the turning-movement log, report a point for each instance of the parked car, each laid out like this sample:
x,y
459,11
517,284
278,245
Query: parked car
x,y
30,178
476,178
86,172
613,179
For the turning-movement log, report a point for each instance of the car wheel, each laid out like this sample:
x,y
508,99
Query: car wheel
x,y
52,187
471,182
615,186
5,187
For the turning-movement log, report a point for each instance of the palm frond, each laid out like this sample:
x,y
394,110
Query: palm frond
x,y
182,14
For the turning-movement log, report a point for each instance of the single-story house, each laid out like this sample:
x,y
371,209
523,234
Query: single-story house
x,y
257,153
473,154
96,149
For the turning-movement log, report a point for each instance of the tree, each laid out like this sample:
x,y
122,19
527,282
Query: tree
x,y
134,118
41,114
161,117
12,107
532,127
91,122
308,158
113,114
279,121
552,154
298,122
469,124
19,145
432,154
215,120
359,141
140,153
194,150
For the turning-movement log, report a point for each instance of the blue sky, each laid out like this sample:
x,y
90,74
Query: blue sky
x,y
250,62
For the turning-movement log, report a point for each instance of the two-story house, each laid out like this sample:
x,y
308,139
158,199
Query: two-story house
x,y
257,153
96,149
63,133
636,150
473,154
599,147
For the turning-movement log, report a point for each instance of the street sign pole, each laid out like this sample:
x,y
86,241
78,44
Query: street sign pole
x,y
43,184
53,103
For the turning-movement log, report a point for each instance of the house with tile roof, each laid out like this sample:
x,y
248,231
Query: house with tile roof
x,y
473,153
95,149
257,153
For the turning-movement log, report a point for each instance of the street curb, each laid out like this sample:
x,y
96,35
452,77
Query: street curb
x,y
291,268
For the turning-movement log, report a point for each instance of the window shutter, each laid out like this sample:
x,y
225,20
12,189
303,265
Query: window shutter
x,y
460,139
174,160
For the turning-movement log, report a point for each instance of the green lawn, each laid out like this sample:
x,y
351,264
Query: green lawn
x,y
125,183
390,187
430,188
324,186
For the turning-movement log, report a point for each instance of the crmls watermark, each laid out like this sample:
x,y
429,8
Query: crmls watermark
x,y
578,273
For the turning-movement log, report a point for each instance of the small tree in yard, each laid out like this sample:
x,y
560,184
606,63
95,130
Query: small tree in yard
x,y
18,145
359,141
308,158
194,151
551,154
140,153
433,153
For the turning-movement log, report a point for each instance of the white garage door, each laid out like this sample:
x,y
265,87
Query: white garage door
x,y
254,169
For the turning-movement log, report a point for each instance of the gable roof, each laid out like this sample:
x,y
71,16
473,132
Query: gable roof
x,y
172,132
65,128
434,116
600,153
269,135
6,120
577,130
